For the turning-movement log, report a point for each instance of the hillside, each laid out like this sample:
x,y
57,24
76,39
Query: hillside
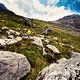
x,y
2,7
71,21
45,32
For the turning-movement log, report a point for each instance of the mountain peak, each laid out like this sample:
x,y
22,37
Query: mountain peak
x,y
71,21
2,7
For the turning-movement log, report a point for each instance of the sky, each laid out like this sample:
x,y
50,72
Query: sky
x,y
47,10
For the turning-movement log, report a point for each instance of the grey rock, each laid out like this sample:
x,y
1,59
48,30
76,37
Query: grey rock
x,y
50,51
64,69
4,27
53,48
47,31
26,22
11,37
55,38
12,32
13,66
37,41
17,33
4,42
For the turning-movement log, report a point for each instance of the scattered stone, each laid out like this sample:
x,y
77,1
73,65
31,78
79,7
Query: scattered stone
x,y
3,20
46,40
61,44
25,36
69,45
13,66
50,51
64,69
26,22
10,32
55,39
4,42
4,27
37,41
18,29
47,31
53,48
41,36
44,52
10,37
17,33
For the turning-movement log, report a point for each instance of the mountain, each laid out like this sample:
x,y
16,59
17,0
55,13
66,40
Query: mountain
x,y
2,7
71,21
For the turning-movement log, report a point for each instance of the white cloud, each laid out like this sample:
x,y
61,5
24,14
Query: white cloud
x,y
52,2
34,9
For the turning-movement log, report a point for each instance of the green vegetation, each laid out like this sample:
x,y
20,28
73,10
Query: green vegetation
x,y
34,53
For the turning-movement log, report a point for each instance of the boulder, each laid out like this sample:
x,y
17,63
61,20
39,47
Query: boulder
x,y
10,37
12,32
26,22
53,48
50,52
13,66
47,31
64,69
4,42
37,41
4,27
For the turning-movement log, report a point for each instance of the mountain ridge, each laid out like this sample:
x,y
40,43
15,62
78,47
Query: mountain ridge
x,y
71,21
3,7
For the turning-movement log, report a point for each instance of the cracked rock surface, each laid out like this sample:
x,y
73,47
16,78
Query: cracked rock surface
x,y
13,66
64,69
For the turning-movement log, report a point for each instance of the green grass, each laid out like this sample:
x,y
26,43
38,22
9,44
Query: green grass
x,y
34,53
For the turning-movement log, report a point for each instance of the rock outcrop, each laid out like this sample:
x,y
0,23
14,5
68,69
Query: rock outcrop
x,y
13,66
71,21
53,48
4,42
12,32
26,22
47,31
51,51
37,41
64,69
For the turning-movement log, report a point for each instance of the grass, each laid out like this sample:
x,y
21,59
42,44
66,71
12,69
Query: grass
x,y
34,53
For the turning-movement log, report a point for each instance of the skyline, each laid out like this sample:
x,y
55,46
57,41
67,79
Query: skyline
x,y
47,10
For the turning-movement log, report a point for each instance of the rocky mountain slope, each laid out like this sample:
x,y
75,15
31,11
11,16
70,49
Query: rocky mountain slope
x,y
2,7
71,21
41,43
64,69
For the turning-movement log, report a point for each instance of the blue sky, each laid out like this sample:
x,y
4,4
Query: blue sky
x,y
74,5
48,10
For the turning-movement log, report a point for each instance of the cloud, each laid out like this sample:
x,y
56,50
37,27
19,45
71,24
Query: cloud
x,y
37,10
52,2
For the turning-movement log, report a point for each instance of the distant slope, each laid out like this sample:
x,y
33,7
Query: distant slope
x,y
71,21
2,7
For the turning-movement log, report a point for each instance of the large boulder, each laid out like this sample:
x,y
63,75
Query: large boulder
x,y
64,69
53,48
26,22
51,51
4,42
13,66
37,41
47,31
12,32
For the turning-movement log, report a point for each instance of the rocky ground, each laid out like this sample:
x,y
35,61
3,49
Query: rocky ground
x,y
37,50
